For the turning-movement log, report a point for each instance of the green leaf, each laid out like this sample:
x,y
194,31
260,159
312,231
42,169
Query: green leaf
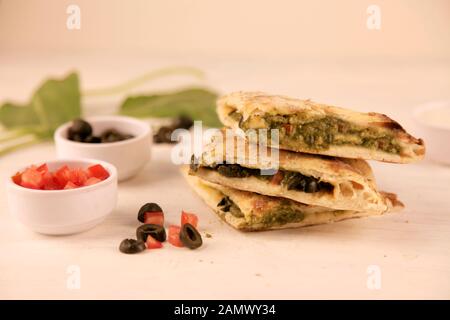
x,y
14,115
57,101
197,103
52,104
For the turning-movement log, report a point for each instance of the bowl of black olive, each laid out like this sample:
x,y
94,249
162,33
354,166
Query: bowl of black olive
x,y
124,142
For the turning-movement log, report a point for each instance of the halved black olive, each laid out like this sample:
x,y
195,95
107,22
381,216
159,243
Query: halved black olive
x,y
111,135
236,171
156,231
190,237
294,180
76,137
183,122
311,187
92,139
130,246
225,204
148,207
79,128
163,135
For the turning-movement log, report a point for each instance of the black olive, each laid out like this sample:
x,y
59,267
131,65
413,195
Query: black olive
x,y
311,187
325,186
183,122
302,184
76,137
148,207
294,180
92,139
156,231
164,135
225,204
111,135
190,237
236,171
127,136
132,246
80,128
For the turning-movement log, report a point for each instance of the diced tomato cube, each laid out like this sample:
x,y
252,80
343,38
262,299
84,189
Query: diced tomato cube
x,y
174,236
31,178
91,181
78,176
152,243
70,185
98,171
62,175
64,178
191,218
17,178
49,182
42,168
154,218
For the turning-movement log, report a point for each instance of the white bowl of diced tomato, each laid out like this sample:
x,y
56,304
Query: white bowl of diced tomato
x,y
63,196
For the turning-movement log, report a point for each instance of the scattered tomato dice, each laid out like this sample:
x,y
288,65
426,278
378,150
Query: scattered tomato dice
x,y
174,236
91,181
98,171
191,218
70,185
152,243
154,218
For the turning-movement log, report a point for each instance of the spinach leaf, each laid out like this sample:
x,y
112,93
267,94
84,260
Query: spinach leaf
x,y
56,102
197,103
14,115
53,103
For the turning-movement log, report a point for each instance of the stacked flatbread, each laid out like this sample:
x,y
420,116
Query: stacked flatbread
x,y
321,175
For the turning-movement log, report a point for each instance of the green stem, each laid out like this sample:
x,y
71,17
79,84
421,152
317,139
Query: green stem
x,y
13,134
143,79
18,146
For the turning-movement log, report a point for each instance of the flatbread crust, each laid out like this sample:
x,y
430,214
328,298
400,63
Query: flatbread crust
x,y
353,180
257,103
256,205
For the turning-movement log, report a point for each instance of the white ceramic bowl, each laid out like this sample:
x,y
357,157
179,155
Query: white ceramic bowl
x,y
128,156
58,212
432,121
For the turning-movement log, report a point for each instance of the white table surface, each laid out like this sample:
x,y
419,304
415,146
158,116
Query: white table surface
x,y
411,248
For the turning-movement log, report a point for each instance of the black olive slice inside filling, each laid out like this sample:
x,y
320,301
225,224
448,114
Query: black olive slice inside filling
x,y
291,180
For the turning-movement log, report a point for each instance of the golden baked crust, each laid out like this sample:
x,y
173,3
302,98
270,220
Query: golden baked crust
x,y
251,104
352,179
255,206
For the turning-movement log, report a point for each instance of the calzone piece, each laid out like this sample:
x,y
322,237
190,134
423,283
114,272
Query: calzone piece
x,y
343,184
248,211
306,126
